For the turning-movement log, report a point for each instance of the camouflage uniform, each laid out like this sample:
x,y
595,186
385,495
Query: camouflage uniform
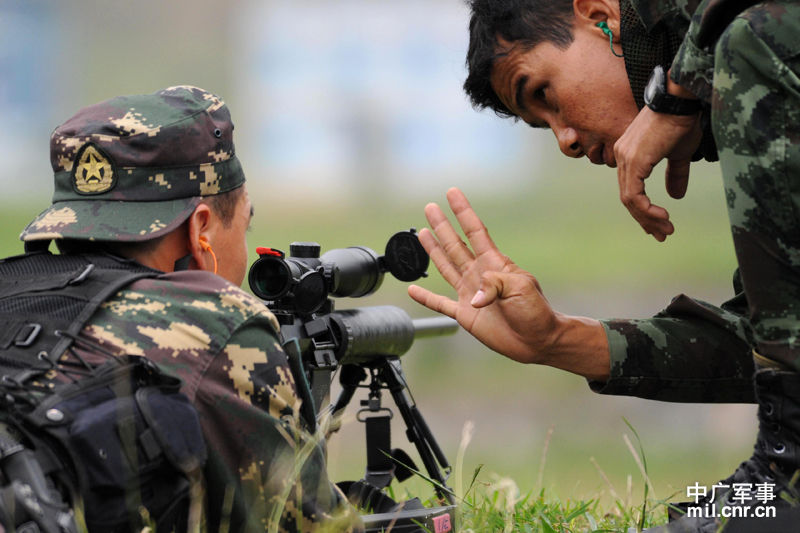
x,y
221,342
694,351
743,60
132,169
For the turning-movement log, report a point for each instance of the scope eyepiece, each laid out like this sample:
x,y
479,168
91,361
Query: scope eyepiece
x,y
273,278
269,277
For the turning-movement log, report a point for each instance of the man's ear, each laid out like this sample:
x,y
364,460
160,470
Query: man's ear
x,y
200,224
592,12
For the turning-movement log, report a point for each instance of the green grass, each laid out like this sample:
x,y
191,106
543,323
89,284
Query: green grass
x,y
488,502
491,510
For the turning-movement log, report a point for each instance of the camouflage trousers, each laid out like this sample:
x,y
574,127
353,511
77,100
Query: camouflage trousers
x,y
756,123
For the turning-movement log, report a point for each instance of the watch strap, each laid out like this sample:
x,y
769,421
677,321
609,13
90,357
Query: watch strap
x,y
659,100
674,105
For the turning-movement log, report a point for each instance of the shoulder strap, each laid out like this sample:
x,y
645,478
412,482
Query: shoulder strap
x,y
46,299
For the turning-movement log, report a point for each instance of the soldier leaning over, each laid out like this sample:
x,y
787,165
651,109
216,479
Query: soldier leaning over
x,y
724,72
154,178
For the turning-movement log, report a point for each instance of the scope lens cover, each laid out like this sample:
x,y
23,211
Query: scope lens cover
x,y
405,257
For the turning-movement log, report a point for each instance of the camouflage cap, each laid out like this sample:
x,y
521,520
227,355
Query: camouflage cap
x,y
133,168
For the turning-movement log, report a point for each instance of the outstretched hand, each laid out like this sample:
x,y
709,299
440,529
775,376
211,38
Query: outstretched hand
x,y
498,302
501,304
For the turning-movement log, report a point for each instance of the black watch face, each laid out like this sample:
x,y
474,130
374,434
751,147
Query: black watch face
x,y
659,100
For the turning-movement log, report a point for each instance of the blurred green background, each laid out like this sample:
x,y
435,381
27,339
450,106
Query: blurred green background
x,y
349,119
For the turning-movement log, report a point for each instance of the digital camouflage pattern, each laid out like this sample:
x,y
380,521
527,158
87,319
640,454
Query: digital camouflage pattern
x,y
133,168
756,120
693,351
264,469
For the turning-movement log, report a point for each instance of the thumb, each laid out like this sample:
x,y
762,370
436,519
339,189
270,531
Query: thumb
x,y
677,177
490,288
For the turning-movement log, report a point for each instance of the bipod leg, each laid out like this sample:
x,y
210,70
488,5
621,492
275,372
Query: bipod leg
x,y
417,430
377,419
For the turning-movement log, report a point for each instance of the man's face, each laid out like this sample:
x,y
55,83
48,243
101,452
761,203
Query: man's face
x,y
582,93
230,243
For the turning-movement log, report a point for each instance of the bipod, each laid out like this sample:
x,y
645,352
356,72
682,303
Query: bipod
x,y
385,463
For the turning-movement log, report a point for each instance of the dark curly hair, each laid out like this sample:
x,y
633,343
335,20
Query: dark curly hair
x,y
525,23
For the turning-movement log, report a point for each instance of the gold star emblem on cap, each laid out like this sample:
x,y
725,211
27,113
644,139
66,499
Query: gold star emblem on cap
x,y
94,173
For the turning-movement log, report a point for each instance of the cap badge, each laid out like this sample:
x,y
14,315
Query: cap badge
x,y
94,173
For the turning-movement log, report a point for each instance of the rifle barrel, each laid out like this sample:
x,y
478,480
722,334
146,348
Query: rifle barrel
x,y
434,326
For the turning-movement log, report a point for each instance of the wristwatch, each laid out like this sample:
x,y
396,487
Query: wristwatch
x,y
659,100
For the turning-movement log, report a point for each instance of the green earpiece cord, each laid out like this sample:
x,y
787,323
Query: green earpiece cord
x,y
604,27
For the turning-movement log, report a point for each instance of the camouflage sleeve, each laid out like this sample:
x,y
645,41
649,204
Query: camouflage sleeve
x,y
692,351
263,467
693,66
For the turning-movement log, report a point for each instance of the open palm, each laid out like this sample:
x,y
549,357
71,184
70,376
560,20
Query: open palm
x,y
499,303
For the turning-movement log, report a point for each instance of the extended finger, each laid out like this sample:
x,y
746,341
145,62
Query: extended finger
x,y
449,239
471,224
440,259
433,301
677,177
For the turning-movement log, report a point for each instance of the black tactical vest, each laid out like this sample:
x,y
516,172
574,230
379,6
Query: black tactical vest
x,y
116,440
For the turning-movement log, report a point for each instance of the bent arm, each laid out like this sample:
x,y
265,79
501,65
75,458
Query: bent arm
x,y
261,460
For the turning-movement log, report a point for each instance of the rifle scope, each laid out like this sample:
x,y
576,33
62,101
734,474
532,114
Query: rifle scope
x,y
303,281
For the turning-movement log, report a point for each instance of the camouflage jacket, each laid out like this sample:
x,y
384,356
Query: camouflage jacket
x,y
692,351
264,470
